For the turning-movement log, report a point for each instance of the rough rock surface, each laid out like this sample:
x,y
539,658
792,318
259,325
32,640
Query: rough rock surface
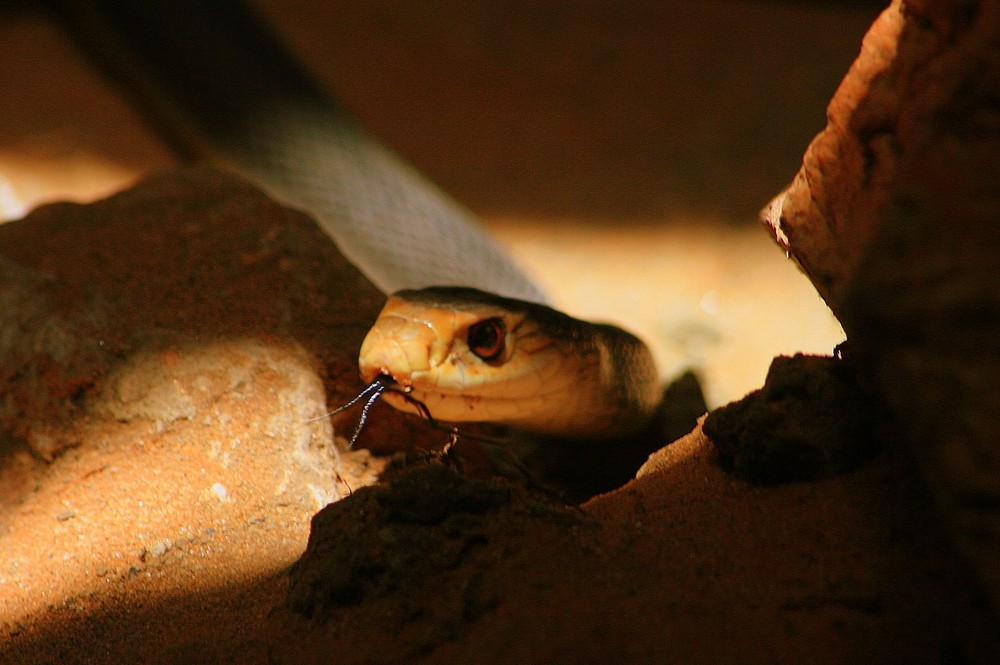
x,y
894,216
161,354
810,420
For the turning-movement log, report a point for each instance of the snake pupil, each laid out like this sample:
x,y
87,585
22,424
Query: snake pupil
x,y
486,338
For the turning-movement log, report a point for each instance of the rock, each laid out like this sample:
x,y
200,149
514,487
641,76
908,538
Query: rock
x,y
811,420
179,336
894,218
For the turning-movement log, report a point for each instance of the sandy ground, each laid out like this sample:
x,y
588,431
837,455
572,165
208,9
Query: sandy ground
x,y
621,155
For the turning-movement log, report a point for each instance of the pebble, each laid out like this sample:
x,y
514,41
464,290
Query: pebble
x,y
161,547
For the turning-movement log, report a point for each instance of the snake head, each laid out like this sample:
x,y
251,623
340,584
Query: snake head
x,y
467,355
472,356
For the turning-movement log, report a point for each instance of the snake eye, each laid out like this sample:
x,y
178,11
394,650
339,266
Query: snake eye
x,y
486,338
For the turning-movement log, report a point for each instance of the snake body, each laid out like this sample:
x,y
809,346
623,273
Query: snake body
x,y
226,90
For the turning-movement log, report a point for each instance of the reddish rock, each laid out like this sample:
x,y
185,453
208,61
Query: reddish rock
x,y
894,216
163,352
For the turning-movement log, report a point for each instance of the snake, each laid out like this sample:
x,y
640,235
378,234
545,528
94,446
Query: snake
x,y
464,335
